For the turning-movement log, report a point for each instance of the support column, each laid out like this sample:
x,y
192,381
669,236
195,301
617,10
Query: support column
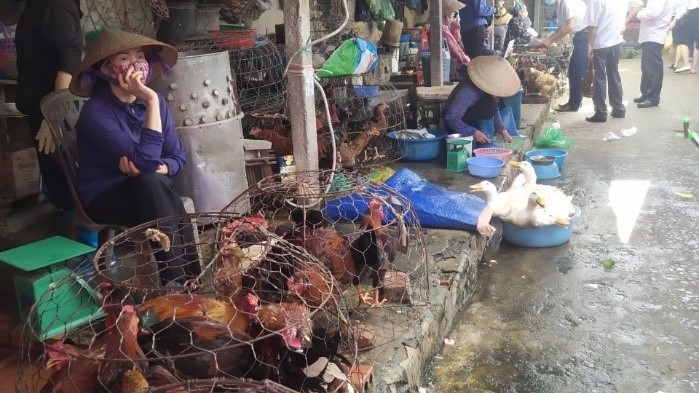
x,y
436,60
300,87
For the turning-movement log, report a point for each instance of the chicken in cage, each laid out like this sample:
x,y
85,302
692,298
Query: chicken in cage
x,y
364,233
244,321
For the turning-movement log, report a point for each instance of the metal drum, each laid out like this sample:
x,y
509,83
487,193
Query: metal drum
x,y
201,96
200,89
215,169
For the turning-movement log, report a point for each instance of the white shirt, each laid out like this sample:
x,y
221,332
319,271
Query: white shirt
x,y
654,17
609,17
682,6
572,9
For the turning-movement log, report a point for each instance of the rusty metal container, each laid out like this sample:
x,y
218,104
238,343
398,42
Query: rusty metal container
x,y
200,89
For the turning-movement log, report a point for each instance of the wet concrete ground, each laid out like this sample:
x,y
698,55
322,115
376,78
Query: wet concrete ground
x,y
555,319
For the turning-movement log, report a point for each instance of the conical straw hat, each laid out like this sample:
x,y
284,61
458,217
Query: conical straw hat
x,y
494,75
111,42
449,6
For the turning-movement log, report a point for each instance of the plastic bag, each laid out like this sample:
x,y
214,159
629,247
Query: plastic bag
x,y
553,138
354,56
668,41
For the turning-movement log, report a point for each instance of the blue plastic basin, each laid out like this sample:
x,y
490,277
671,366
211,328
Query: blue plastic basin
x,y
421,149
484,167
558,153
546,236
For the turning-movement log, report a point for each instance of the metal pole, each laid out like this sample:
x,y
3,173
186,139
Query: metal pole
x,y
300,86
435,19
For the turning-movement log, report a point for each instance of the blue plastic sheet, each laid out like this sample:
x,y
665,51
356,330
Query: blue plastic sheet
x,y
435,206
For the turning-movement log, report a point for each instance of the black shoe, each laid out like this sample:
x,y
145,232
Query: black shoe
x,y
597,118
618,113
565,108
647,104
639,99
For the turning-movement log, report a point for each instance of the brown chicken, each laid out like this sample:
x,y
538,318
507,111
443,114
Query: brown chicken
x,y
379,120
236,315
349,151
78,370
284,145
215,349
291,320
311,283
158,376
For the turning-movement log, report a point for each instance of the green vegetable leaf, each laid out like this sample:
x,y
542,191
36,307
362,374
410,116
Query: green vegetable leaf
x,y
608,263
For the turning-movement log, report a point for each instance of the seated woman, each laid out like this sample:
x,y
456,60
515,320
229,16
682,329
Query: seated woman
x,y
128,147
476,97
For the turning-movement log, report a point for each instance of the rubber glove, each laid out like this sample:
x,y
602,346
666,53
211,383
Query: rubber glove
x,y
46,144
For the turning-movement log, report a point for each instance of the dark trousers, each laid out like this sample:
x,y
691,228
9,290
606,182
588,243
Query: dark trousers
x,y
651,70
54,182
147,197
473,40
577,68
606,63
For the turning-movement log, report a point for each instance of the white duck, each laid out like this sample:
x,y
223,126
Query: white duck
x,y
558,204
535,215
505,203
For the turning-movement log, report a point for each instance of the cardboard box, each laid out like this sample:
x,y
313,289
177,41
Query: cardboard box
x,y
19,173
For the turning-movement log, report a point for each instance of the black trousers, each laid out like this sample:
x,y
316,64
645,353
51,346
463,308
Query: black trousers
x,y
147,197
473,40
651,70
606,63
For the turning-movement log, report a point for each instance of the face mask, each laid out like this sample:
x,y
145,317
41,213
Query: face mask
x,y
550,2
114,70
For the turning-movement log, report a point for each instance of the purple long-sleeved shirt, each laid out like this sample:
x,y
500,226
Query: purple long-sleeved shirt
x,y
463,97
108,129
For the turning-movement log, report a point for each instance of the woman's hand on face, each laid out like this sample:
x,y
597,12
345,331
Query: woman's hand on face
x,y
133,83
127,167
480,137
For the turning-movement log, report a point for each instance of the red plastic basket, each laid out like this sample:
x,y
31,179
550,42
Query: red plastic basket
x,y
234,39
497,152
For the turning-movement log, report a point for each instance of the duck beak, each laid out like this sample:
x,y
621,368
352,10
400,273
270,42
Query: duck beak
x,y
562,222
514,164
541,201
476,187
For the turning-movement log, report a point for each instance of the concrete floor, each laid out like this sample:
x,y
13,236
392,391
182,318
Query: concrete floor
x,y
555,319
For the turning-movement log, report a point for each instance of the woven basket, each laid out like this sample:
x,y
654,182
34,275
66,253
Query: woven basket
x,y
497,152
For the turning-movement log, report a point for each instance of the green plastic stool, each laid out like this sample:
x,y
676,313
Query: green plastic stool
x,y
59,299
457,155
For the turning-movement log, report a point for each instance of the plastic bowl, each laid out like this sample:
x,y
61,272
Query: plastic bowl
x,y
484,167
366,91
558,153
546,236
497,152
420,149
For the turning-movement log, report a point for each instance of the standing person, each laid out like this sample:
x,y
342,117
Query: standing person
x,y
606,20
571,14
128,147
451,30
500,20
49,46
476,97
685,29
520,27
655,18
474,17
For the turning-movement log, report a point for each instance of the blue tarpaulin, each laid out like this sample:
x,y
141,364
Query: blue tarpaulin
x,y
436,207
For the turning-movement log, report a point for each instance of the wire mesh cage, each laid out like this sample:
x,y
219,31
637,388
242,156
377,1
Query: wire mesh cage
x,y
543,75
101,330
364,232
138,16
257,65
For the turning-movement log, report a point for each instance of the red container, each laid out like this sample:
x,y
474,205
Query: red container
x,y
234,39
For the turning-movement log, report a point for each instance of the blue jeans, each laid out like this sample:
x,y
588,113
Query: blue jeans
x,y
577,68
